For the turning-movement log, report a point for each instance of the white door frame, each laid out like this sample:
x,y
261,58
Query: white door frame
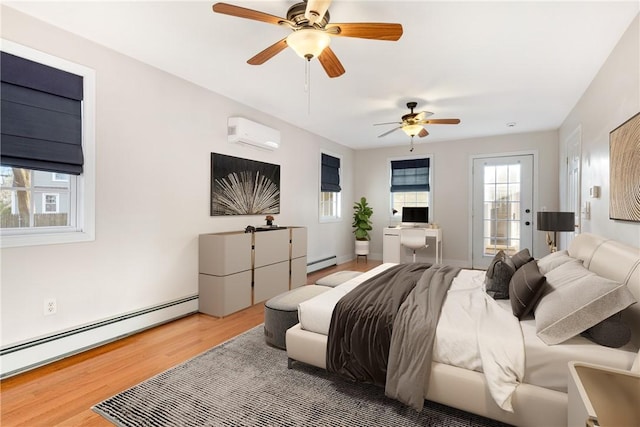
x,y
534,208
572,200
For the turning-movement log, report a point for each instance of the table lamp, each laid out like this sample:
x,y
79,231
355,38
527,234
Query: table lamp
x,y
555,221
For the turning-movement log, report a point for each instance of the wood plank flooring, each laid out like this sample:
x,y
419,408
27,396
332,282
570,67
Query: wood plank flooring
x,y
62,393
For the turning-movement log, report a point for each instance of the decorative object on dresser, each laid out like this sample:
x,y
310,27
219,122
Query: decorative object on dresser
x,y
243,187
555,221
239,269
624,173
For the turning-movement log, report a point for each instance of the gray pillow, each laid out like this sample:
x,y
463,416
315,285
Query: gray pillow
x,y
521,258
525,289
498,276
611,332
575,300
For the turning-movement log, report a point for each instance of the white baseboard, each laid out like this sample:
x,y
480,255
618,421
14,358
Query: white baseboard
x,y
321,263
18,358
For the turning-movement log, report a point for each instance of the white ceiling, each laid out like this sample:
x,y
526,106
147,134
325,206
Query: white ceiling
x,y
487,63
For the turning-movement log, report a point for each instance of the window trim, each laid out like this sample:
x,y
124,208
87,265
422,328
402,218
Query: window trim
x,y
431,158
84,199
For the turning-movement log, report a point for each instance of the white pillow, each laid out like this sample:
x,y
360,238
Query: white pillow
x,y
553,260
576,299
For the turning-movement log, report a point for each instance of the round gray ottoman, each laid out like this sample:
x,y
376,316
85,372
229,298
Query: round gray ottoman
x,y
281,312
337,278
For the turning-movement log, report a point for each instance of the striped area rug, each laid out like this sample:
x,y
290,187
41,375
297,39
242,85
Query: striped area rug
x,y
244,382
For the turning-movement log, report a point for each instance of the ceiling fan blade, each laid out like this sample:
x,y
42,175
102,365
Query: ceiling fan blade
x,y
423,133
316,9
442,121
388,123
389,131
366,30
423,114
242,12
331,63
268,53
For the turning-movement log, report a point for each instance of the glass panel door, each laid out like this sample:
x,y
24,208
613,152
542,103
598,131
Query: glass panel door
x,y
502,215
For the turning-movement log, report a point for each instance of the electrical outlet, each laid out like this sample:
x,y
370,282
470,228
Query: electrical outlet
x,y
50,306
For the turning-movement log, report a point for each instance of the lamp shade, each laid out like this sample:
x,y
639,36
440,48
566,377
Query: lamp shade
x,y
308,43
412,130
556,221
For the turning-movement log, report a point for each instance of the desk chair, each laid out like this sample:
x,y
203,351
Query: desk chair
x,y
414,239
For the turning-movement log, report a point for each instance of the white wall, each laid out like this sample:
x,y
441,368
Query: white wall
x,y
154,136
451,185
612,97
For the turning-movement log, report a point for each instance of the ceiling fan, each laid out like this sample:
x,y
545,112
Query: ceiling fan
x,y
312,32
413,123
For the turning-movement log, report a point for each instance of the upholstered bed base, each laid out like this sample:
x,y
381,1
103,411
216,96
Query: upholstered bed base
x,y
456,387
467,390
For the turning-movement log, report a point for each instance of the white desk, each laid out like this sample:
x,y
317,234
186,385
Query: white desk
x,y
392,250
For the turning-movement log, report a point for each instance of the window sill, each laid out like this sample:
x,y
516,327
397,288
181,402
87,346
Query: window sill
x,y
15,241
329,219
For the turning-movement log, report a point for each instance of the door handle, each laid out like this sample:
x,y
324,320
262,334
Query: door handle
x,y
527,211
527,223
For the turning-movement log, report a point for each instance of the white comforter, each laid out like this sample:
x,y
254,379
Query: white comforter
x,y
475,332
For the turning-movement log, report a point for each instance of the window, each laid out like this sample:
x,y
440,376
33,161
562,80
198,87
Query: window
x,y
409,184
329,188
47,163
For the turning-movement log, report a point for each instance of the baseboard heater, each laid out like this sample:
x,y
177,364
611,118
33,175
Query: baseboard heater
x,y
18,358
321,263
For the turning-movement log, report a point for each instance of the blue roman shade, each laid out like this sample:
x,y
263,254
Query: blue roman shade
x,y
410,175
330,174
41,116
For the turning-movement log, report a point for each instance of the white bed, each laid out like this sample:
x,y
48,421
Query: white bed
x,y
540,396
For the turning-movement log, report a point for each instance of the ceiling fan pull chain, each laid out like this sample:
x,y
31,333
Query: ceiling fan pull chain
x,y
307,84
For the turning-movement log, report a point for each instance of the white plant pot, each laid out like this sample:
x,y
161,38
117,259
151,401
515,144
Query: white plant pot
x,y
362,247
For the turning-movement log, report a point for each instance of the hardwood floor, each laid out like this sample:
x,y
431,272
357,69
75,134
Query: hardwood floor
x,y
62,393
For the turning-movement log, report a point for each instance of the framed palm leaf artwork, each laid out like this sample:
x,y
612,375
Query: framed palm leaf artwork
x,y
243,187
624,171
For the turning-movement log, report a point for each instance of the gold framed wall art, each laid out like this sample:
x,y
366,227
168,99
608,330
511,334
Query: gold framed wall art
x,y
624,171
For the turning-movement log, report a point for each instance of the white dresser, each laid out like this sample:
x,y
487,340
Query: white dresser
x,y
237,269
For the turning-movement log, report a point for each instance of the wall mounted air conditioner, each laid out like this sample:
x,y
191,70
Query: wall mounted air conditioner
x,y
244,131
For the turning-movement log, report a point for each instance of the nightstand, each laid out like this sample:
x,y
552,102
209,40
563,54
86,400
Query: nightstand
x,y
602,396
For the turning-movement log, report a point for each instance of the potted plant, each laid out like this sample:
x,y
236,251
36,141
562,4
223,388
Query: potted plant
x,y
362,225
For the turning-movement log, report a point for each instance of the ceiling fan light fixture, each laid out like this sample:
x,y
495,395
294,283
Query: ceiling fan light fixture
x,y
308,43
411,130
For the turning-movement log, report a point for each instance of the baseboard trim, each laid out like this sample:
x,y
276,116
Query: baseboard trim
x,y
15,359
319,264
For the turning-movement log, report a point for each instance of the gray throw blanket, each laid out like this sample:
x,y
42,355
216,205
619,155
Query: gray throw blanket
x,y
414,331
382,332
362,322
